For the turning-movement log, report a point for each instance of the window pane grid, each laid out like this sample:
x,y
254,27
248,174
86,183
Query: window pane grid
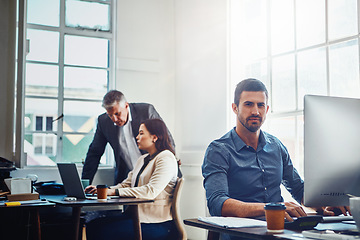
x,y
46,80
322,58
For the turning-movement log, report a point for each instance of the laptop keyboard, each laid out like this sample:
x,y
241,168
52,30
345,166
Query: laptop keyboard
x,y
94,196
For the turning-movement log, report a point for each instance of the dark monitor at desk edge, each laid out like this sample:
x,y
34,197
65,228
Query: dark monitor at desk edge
x,y
331,150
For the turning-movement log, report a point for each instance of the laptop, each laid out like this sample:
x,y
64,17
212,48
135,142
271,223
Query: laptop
x,y
71,180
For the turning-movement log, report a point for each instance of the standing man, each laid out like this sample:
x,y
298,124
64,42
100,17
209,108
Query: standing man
x,y
119,127
243,169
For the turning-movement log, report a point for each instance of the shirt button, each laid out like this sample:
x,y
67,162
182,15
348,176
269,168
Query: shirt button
x,y
247,146
263,170
265,188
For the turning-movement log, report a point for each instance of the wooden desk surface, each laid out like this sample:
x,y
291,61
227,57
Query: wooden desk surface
x,y
248,232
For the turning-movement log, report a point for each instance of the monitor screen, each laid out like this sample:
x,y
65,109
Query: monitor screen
x,y
331,150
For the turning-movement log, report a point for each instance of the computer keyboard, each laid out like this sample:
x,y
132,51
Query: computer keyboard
x,y
309,222
303,223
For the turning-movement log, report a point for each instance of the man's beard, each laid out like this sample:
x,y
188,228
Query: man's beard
x,y
251,127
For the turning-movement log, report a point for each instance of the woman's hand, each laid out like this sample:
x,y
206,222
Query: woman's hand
x,y
335,211
111,192
90,189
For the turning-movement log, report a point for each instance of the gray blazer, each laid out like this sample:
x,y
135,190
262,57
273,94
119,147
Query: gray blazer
x,y
107,132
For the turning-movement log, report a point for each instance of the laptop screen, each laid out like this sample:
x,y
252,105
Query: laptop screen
x,y
71,180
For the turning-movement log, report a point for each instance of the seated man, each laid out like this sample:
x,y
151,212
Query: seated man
x,y
243,169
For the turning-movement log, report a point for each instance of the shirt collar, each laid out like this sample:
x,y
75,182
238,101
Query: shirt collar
x,y
151,157
129,117
239,143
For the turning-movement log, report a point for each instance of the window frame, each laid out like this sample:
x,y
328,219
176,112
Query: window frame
x,y
297,113
20,155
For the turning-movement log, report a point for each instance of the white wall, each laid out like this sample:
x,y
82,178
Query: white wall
x,y
145,54
201,87
173,54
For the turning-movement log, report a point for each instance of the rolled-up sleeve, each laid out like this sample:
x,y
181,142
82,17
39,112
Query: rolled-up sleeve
x,y
214,169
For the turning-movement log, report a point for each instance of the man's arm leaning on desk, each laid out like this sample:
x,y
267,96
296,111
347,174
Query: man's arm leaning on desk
x,y
235,208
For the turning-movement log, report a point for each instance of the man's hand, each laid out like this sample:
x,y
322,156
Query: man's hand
x,y
335,211
293,210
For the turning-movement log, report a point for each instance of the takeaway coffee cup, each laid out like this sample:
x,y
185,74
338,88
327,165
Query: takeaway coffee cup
x,y
102,192
275,214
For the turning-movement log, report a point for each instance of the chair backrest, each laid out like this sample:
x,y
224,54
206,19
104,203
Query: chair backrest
x,y
175,210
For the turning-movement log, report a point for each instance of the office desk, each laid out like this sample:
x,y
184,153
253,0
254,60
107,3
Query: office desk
x,y
250,232
347,230
77,205
14,230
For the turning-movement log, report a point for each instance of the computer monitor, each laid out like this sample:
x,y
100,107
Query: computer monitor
x,y
331,150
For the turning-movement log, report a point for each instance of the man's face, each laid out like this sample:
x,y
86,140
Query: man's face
x,y
252,110
118,114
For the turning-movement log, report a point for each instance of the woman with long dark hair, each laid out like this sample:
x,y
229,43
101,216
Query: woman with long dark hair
x,y
153,177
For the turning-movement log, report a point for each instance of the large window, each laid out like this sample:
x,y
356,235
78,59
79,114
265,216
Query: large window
x,y
68,69
295,47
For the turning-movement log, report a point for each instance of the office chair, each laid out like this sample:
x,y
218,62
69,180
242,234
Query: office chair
x,y
175,210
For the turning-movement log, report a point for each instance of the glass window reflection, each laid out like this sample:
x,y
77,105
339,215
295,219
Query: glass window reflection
x,y
342,18
37,108
44,45
282,26
311,73
37,15
86,51
85,83
40,149
90,15
344,69
42,79
310,22
78,118
283,84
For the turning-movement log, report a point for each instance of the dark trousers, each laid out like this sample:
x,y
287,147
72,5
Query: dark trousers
x,y
121,227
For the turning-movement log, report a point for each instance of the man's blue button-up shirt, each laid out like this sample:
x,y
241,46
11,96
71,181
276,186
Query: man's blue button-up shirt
x,y
231,169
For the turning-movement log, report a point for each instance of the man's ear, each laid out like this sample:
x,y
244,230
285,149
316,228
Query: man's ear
x,y
126,104
234,108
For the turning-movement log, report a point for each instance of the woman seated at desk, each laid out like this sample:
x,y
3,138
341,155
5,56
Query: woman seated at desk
x,y
153,177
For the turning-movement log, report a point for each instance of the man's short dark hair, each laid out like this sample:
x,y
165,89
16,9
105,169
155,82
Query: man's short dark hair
x,y
113,97
250,85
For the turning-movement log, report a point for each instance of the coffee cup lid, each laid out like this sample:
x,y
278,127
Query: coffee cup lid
x,y
102,186
274,206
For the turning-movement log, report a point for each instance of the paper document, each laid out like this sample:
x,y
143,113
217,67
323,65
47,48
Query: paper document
x,y
233,222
